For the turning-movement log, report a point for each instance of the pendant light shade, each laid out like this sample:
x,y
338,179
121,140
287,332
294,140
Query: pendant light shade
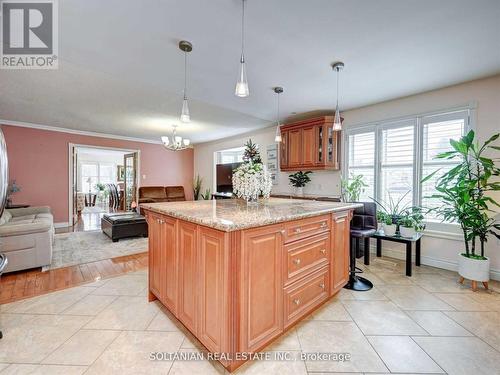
x,y
337,120
241,89
277,137
185,111
186,47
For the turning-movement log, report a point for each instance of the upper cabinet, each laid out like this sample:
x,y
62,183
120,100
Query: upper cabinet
x,y
310,144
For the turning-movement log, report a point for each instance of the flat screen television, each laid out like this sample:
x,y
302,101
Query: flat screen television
x,y
224,174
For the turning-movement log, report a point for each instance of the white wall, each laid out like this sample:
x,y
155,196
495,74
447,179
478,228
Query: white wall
x,y
438,249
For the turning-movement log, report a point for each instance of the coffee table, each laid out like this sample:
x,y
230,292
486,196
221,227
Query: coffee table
x,y
408,241
122,225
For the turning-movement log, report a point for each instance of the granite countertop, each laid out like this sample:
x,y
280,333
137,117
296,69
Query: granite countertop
x,y
234,214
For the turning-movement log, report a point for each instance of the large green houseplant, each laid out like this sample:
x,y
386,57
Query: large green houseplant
x,y
464,197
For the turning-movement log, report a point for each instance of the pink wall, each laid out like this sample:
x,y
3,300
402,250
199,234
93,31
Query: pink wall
x,y
38,161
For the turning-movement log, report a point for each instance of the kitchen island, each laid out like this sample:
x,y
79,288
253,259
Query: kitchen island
x,y
238,276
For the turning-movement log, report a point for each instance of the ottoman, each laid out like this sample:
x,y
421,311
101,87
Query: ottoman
x,y
122,225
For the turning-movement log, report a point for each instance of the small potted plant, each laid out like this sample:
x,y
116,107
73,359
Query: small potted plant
x,y
463,196
388,226
411,222
394,211
299,180
351,188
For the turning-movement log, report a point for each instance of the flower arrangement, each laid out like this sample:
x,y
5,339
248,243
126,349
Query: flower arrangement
x,y
251,179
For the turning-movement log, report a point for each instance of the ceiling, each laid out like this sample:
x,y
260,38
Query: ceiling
x,y
121,72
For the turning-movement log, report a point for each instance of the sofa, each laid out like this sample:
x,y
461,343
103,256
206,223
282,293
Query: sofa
x,y
154,194
26,237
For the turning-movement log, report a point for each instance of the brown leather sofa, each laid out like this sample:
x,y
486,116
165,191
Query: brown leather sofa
x,y
155,194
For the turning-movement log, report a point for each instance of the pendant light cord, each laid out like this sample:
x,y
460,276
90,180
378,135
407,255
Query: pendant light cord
x,y
242,31
279,109
338,73
185,75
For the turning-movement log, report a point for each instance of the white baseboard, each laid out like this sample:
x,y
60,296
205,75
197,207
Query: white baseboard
x,y
428,261
61,225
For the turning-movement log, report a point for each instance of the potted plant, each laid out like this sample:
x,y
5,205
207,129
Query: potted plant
x,y
251,179
387,224
463,196
411,222
299,180
394,211
197,187
351,188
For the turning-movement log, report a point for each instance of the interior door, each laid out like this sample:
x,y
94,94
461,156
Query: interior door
x,y
74,160
130,180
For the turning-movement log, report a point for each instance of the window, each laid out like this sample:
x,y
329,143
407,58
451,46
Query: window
x,y
437,132
94,172
397,164
362,160
234,155
394,157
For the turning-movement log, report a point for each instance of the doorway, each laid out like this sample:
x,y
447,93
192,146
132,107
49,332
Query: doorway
x,y
102,180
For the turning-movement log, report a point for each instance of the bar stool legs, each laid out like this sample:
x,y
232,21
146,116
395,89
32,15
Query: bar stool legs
x,y
355,282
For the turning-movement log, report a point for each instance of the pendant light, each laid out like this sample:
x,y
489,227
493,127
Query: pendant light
x,y
241,89
277,138
186,47
337,121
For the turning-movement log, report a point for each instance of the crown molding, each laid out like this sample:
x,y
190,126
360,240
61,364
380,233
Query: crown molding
x,y
73,131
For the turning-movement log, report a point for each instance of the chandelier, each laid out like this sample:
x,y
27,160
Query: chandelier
x,y
175,142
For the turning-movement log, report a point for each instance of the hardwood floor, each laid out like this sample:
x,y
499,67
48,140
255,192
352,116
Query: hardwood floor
x,y
23,284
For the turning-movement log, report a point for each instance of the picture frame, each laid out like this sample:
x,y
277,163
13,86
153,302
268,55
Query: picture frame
x,y
120,173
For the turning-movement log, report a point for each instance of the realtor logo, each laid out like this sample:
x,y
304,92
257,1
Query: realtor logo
x,y
29,34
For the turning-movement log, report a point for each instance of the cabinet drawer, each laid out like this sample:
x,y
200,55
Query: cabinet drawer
x,y
296,230
302,296
306,255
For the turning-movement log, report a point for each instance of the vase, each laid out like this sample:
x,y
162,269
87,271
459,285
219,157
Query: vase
x,y
299,191
474,269
252,201
407,232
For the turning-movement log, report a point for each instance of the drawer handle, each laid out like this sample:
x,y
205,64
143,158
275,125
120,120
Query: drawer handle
x,y
323,251
323,224
296,261
322,285
297,230
296,301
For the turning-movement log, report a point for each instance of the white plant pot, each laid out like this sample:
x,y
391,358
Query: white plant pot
x,y
299,191
407,232
474,269
389,230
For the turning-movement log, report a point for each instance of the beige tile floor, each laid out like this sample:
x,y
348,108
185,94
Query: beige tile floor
x,y
424,324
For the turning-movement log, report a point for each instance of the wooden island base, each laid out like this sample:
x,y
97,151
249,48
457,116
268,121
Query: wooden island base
x,y
237,291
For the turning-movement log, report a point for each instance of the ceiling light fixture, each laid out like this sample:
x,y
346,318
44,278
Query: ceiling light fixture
x,y
186,47
337,121
176,142
277,137
241,89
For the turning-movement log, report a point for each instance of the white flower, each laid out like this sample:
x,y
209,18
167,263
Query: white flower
x,y
251,180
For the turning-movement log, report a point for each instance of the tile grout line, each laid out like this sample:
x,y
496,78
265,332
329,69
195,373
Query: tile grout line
x,y
435,361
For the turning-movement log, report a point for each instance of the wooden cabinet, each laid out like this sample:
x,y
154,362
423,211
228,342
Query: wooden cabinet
x,y
237,291
168,256
187,275
261,287
340,251
295,148
155,264
310,144
213,271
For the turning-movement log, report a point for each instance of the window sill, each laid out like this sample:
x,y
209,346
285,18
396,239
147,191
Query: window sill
x,y
448,231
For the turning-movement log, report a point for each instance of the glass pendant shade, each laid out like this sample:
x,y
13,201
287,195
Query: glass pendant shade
x,y
277,137
337,121
185,111
242,84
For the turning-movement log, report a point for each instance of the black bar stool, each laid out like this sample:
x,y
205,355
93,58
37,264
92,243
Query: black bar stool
x,y
363,226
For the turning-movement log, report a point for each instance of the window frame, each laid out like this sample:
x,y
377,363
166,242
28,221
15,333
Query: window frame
x,y
418,122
